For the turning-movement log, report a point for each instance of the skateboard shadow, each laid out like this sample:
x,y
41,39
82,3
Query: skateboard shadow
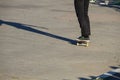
x,y
28,28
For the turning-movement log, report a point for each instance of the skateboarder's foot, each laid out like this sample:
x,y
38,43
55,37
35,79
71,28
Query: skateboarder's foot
x,y
82,38
83,41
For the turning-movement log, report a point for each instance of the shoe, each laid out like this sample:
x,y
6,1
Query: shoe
x,y
82,38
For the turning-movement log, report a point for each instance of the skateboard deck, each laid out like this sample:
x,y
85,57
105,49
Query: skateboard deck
x,y
83,43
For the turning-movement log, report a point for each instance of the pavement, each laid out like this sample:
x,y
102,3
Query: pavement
x,y
37,41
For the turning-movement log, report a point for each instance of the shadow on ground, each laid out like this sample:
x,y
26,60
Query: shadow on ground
x,y
81,78
113,6
90,78
30,28
94,77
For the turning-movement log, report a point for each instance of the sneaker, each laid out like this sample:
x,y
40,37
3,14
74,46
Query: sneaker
x,y
82,38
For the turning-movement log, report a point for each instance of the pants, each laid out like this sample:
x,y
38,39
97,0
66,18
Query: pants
x,y
81,8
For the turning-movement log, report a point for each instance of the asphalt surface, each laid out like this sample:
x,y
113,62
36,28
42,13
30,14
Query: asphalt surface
x,y
37,41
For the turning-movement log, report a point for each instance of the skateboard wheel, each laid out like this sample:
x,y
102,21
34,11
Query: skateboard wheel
x,y
87,44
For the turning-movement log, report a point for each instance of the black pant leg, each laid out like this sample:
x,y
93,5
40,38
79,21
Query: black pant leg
x,y
81,8
87,21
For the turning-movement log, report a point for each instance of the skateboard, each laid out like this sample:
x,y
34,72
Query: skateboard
x,y
83,43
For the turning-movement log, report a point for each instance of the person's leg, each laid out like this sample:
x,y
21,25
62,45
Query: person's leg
x,y
79,8
86,27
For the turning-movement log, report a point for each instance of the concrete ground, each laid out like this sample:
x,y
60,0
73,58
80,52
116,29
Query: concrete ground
x,y
37,41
